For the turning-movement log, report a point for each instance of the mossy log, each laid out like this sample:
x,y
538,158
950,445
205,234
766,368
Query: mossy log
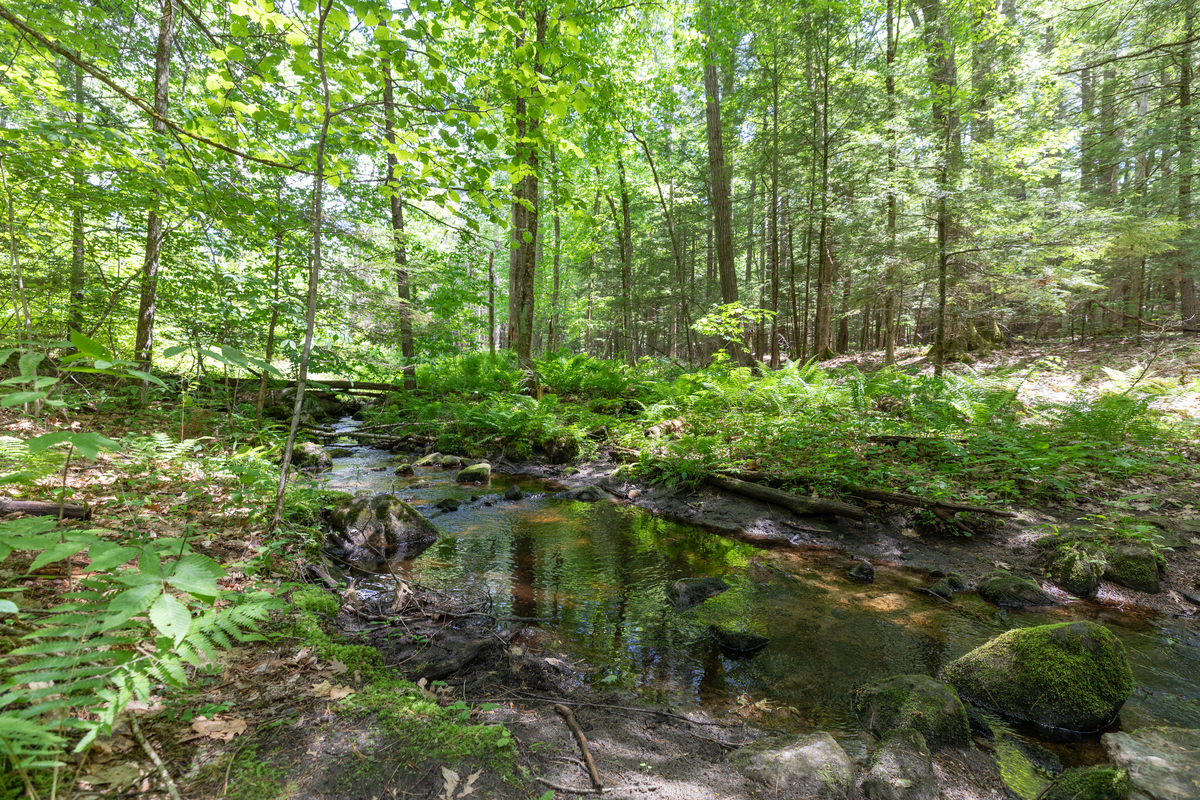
x,y
801,505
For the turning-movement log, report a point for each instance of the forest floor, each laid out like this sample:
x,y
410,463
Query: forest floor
x,y
295,716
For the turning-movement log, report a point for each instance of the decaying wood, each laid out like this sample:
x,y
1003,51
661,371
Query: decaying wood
x,y
801,505
44,508
436,670
568,717
664,428
880,495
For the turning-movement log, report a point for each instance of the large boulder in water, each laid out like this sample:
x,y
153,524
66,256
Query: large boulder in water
x,y
919,702
586,494
1135,565
308,455
1005,589
369,531
808,765
476,473
1162,763
901,769
431,460
694,591
1073,675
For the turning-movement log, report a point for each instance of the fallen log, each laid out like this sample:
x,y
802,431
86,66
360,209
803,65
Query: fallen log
x,y
44,508
801,505
882,496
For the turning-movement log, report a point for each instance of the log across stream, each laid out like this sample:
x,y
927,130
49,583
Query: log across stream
x,y
600,572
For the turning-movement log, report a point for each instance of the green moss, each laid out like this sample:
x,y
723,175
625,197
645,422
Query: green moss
x,y
313,598
1078,567
253,778
1090,783
919,702
311,601
1071,675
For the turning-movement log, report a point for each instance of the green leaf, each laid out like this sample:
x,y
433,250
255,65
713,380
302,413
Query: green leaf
x,y
130,602
57,552
28,363
234,356
171,352
8,607
146,376
47,440
197,575
171,617
17,398
106,555
88,347
90,444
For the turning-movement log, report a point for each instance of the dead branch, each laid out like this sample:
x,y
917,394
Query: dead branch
x,y
42,508
801,505
568,717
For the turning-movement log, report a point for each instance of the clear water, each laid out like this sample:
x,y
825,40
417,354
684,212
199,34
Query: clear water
x,y
600,571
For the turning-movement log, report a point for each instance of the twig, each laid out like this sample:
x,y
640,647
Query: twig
x,y
172,789
560,788
652,711
568,717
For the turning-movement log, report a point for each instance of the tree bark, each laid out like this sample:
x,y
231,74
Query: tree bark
x,y
399,252
75,311
889,308
262,384
1185,268
143,347
796,503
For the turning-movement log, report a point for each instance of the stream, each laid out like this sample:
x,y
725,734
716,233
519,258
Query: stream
x,y
600,571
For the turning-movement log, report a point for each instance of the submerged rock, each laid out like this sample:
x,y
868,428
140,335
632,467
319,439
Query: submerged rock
x,y
694,591
1072,675
738,641
1005,589
448,504
431,460
1162,763
901,768
513,493
942,588
863,572
476,473
308,455
340,452
1036,755
808,765
371,530
586,494
919,702
979,724
1089,783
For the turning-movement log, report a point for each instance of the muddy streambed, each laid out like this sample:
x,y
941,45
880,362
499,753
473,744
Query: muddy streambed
x,y
599,572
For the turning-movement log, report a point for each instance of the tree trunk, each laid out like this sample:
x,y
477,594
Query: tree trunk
x,y
553,330
1185,269
627,267
75,311
399,252
492,304
143,347
262,383
890,304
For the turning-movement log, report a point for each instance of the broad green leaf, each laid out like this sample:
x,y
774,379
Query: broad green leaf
x,y
8,607
57,552
17,398
234,356
197,575
87,346
146,376
90,444
129,603
47,440
29,362
106,555
171,352
171,617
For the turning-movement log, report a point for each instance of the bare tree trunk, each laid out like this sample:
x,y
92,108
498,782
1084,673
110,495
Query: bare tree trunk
x,y
553,330
890,304
143,347
399,252
314,270
492,303
773,231
270,354
75,312
627,267
1185,268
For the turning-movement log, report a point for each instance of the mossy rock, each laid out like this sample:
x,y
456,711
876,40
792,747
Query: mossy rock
x,y
808,765
310,455
1073,675
586,494
371,531
340,452
476,473
694,591
920,702
863,572
431,460
403,469
901,769
1006,589
451,462
1136,566
1090,783
1077,567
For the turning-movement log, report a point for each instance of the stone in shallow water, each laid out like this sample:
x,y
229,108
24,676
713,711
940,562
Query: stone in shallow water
x,y
431,460
901,769
863,572
694,591
448,504
586,494
1162,763
920,702
808,765
476,473
340,452
309,455
1073,675
1005,589
513,493
738,641
1090,783
371,530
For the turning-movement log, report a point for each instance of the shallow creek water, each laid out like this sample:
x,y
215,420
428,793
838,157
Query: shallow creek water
x,y
599,572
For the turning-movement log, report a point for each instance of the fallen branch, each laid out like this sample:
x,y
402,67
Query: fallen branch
x,y
42,508
172,789
801,505
571,789
568,717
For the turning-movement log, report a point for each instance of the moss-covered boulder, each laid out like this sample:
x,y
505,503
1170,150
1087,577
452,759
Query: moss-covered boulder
x,y
451,462
1073,675
476,473
403,469
340,452
586,494
1090,783
309,455
901,769
1136,566
863,572
809,765
920,702
1077,567
369,531
431,460
1005,589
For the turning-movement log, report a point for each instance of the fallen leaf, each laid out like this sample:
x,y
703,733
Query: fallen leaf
x,y
451,779
469,787
116,775
326,689
1001,565
910,533
216,728
337,667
